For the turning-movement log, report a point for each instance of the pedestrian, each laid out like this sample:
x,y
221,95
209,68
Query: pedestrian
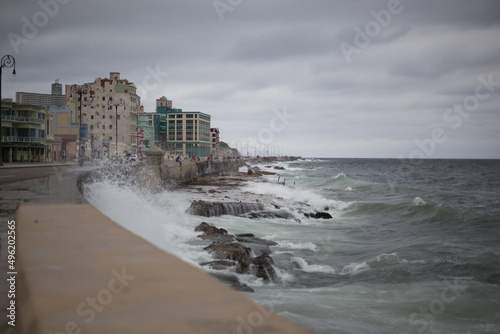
x,y
178,159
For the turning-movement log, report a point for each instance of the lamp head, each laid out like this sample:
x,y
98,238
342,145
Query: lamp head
x,y
14,73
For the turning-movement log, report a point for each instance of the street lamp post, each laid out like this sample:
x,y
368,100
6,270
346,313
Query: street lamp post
x,y
7,61
80,90
116,103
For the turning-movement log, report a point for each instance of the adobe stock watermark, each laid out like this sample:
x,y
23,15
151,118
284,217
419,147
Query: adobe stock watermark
x,y
372,29
30,27
151,81
223,6
455,116
423,319
87,309
278,123
257,318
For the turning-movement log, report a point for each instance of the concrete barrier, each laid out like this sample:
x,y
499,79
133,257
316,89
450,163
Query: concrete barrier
x,y
79,272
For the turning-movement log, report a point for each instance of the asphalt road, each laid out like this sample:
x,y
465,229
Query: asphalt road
x,y
9,175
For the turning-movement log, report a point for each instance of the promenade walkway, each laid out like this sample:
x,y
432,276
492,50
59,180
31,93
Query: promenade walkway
x,y
79,272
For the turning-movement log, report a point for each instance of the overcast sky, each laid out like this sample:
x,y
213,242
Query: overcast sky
x,y
412,79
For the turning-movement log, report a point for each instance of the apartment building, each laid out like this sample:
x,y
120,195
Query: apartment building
x,y
56,98
109,123
23,132
215,138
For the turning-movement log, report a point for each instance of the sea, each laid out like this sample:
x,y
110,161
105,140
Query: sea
x,y
413,246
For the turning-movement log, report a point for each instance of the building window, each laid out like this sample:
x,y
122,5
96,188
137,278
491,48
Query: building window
x,y
104,127
111,126
104,98
91,116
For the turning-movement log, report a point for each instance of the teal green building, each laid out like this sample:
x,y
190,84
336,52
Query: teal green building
x,y
184,133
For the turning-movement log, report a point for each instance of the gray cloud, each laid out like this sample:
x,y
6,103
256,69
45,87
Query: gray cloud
x,y
271,55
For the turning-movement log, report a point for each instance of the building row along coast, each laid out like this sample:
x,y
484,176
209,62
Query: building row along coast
x,y
99,120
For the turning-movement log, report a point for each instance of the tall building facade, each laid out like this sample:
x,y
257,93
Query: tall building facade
x,y
102,119
56,98
187,132
215,138
24,133
164,102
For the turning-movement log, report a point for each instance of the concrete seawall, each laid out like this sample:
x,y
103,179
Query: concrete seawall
x,y
79,272
157,175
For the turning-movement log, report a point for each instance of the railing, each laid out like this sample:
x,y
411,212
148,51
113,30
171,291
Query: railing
x,y
23,119
23,139
10,118
31,120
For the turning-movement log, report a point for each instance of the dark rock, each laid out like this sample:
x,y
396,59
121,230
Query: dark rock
x,y
283,214
211,209
245,235
219,265
279,168
319,215
213,233
322,215
260,266
233,282
229,251
250,238
258,245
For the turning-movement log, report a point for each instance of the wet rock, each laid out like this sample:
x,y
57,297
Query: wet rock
x,y
258,245
251,238
233,282
270,214
319,215
219,265
212,209
213,233
229,251
260,266
279,168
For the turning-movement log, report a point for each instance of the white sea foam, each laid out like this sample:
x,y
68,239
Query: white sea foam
x,y
303,196
417,201
312,267
297,245
243,169
339,175
159,218
354,268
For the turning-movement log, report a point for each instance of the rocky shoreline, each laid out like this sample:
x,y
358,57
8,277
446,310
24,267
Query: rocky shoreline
x,y
245,252
236,253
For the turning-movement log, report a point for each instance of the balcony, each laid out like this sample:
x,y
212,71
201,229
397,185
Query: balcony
x,y
23,119
22,139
